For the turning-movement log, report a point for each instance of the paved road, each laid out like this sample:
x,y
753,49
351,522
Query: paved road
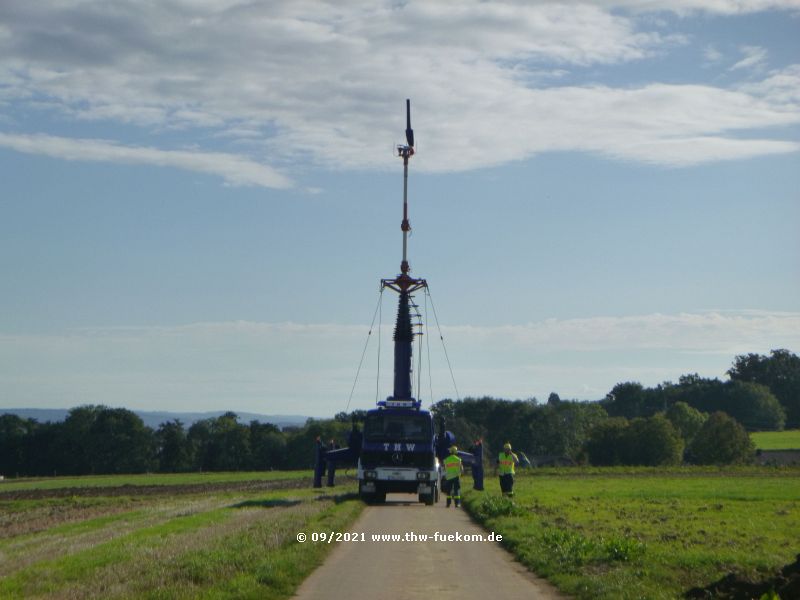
x,y
416,569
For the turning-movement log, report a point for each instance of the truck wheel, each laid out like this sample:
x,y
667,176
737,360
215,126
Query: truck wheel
x,y
429,499
366,497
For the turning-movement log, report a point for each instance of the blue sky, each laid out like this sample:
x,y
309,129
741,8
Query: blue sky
x,y
200,198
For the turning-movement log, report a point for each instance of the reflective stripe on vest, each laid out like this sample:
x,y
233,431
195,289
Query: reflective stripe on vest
x,y
452,466
506,464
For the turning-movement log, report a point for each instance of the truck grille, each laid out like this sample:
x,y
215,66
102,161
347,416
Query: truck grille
x,y
419,460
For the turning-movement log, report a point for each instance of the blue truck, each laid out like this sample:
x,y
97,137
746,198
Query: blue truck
x,y
398,453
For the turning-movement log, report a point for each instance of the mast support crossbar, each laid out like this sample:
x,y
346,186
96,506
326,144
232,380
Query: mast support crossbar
x,y
404,283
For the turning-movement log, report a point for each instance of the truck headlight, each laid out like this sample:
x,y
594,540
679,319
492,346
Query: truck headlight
x,y
423,476
370,475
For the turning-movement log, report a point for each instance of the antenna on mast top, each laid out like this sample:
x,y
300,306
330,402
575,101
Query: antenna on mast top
x,y
406,152
409,131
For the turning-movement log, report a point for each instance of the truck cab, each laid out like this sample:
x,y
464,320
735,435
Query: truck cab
x,y
398,453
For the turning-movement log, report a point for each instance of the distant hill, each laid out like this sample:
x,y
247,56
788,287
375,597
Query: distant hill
x,y
155,418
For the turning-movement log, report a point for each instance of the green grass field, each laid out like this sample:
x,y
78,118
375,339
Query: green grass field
x,y
646,533
207,536
777,440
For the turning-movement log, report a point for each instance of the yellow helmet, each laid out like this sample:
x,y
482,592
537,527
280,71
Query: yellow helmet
x,y
507,446
453,449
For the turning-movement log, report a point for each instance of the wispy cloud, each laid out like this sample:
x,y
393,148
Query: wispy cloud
x,y
685,7
711,55
322,81
236,170
755,58
724,332
781,86
252,365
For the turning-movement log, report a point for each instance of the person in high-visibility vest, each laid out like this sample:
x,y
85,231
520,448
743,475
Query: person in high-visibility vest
x,y
505,468
452,472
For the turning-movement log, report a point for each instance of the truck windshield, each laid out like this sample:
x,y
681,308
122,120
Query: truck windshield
x,y
387,427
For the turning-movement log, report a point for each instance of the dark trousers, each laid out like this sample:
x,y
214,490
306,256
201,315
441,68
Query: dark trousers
x,y
507,484
454,490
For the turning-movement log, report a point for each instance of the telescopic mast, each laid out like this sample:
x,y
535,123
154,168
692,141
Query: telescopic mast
x,y
404,284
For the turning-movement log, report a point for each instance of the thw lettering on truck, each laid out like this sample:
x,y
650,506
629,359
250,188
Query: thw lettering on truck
x,y
399,447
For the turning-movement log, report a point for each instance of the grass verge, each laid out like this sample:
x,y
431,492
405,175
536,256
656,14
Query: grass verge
x,y
646,533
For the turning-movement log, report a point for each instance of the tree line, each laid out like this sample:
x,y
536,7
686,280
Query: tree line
x,y
96,440
696,420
